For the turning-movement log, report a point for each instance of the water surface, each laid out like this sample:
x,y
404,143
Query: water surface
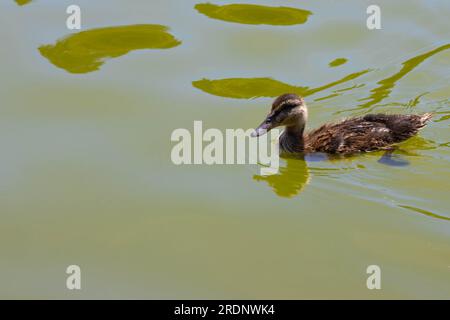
x,y
86,176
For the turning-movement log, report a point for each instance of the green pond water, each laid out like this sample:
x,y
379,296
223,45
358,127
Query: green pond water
x,y
87,179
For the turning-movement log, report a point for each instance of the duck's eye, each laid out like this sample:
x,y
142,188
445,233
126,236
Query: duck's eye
x,y
290,106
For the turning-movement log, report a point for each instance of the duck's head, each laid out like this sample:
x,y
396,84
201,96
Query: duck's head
x,y
287,110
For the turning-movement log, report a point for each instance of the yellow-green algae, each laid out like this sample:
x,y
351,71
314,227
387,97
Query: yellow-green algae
x,y
254,14
337,62
245,88
86,51
22,2
424,212
328,97
248,88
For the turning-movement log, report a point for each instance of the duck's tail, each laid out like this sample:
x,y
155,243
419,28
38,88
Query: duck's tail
x,y
424,118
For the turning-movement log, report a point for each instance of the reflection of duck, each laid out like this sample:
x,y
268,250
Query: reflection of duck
x,y
360,134
291,179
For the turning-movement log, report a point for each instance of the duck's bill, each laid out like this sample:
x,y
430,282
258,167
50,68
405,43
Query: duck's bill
x,y
262,129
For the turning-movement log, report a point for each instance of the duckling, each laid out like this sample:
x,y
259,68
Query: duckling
x,y
359,134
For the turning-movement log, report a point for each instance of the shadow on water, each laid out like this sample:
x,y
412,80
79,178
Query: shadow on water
x,y
86,51
291,179
393,160
254,14
22,2
248,88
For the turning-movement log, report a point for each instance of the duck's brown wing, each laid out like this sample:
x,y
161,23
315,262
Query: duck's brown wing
x,y
402,126
368,133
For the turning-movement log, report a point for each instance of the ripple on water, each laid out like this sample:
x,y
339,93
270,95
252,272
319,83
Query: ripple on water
x,y
254,14
87,51
385,86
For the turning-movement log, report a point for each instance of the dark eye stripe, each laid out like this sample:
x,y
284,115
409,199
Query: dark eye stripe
x,y
289,103
284,108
